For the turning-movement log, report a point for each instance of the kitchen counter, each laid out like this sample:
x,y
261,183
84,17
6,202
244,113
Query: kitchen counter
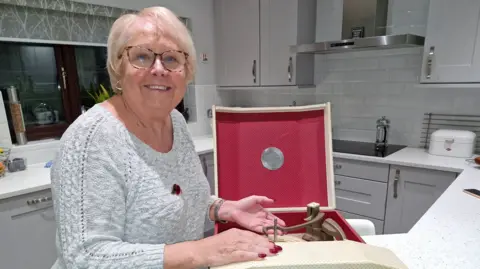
x,y
37,177
447,236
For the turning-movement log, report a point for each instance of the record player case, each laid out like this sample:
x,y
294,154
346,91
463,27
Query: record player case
x,y
284,153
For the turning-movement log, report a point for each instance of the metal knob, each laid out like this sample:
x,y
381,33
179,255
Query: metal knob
x,y
39,200
338,182
338,166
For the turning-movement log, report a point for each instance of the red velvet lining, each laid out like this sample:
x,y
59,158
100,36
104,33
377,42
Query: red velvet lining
x,y
241,139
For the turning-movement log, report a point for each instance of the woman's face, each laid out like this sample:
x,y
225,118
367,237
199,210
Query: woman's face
x,y
155,83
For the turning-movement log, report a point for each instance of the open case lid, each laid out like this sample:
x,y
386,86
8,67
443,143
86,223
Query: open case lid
x,y
284,153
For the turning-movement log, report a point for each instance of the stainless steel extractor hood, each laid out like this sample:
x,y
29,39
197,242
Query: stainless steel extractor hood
x,y
364,27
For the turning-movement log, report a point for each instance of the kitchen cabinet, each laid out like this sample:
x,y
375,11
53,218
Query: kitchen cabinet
x,y
209,170
238,42
377,223
27,231
452,43
361,169
411,192
361,196
361,190
254,38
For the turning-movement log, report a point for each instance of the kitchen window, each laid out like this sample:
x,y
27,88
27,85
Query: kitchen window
x,y
53,53
54,83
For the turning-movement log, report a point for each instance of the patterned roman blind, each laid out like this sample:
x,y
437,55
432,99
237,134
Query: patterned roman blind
x,y
58,20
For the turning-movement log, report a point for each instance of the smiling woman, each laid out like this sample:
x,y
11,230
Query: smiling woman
x,y
129,189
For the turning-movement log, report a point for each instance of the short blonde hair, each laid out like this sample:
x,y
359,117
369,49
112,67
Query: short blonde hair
x,y
167,24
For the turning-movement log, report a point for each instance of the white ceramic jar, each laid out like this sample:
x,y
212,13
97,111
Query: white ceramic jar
x,y
452,143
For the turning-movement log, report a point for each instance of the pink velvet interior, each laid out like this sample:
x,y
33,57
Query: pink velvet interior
x,y
293,218
241,139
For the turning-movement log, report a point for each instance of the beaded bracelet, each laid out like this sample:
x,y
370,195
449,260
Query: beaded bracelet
x,y
216,209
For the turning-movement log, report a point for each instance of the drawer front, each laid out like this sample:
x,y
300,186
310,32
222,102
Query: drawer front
x,y
377,223
360,196
361,169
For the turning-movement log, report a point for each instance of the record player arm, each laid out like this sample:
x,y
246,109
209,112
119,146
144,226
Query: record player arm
x,y
285,230
332,228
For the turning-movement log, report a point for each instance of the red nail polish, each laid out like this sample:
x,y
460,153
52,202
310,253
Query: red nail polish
x,y
278,248
176,189
274,250
262,255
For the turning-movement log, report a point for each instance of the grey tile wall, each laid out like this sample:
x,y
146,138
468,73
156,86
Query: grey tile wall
x,y
363,86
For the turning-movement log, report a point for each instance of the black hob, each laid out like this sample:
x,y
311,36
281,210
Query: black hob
x,y
364,148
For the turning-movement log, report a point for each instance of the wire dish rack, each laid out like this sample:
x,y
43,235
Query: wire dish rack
x,y
434,121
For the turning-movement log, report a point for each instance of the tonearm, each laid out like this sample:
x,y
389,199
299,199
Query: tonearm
x,y
318,228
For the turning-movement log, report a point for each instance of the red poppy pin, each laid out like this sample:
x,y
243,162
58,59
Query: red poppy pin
x,y
176,189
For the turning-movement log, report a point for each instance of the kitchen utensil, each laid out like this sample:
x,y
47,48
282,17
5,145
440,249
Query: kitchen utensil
x,y
17,115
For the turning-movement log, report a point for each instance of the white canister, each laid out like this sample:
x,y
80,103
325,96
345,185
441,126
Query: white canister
x,y
452,143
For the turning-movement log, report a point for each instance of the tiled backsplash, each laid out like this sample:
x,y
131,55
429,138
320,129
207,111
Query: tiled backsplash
x,y
363,86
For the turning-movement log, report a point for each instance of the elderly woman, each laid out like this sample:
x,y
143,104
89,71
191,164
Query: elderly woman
x,y
129,189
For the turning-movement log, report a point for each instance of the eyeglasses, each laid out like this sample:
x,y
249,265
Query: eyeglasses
x,y
143,58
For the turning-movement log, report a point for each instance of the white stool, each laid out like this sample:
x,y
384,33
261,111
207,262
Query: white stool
x,y
362,226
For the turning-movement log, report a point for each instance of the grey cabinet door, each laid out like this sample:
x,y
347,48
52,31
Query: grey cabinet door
x,y
377,223
361,169
360,196
411,192
284,23
238,42
29,231
444,61
209,168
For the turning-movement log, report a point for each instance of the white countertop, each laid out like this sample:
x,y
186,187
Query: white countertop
x,y
37,178
447,236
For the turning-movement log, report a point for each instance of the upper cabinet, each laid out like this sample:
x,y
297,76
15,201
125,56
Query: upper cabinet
x,y
254,39
452,44
238,42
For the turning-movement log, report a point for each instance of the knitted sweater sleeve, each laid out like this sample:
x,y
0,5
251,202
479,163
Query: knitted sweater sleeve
x,y
89,199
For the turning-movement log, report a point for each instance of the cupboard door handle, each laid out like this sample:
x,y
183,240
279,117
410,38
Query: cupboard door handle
x,y
338,166
290,68
254,71
39,200
338,182
395,183
64,77
428,73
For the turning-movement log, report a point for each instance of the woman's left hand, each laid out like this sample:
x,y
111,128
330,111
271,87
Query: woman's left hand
x,y
250,213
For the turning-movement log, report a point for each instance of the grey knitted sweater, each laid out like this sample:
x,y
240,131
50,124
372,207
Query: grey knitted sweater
x,y
113,196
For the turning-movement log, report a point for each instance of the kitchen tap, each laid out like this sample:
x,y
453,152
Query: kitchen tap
x,y
383,126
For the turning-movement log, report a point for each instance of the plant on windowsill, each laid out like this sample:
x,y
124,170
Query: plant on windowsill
x,y
102,95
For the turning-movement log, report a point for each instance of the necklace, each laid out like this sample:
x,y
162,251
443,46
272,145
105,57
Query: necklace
x,y
138,122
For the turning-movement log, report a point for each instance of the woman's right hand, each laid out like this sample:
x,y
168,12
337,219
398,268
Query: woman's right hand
x,y
236,245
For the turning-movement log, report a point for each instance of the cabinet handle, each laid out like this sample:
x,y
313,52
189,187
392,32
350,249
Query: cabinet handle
x,y
39,200
428,73
254,71
64,78
395,183
338,166
290,68
338,182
